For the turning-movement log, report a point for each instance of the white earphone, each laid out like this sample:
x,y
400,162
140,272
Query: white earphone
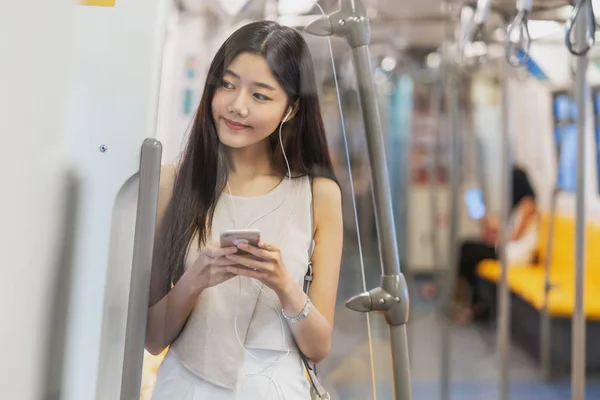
x,y
289,112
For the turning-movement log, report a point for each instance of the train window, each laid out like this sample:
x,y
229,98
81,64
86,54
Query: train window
x,y
565,136
475,204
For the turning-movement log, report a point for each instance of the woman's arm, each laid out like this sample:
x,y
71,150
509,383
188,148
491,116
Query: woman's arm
x,y
313,334
528,210
168,310
167,317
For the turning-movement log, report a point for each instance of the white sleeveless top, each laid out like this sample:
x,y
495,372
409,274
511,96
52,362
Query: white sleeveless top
x,y
207,345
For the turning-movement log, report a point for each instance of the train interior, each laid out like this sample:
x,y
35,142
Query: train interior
x,y
463,90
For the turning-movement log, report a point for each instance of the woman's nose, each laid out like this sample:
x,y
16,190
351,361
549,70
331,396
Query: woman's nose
x,y
239,105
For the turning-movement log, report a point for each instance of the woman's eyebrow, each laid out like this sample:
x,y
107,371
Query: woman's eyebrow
x,y
259,84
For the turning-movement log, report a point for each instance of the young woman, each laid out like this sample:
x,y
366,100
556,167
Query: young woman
x,y
523,225
257,158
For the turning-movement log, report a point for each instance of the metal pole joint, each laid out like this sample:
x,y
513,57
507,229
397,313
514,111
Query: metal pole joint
x,y
349,22
390,299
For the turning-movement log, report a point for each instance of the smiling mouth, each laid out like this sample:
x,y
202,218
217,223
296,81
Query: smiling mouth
x,y
234,125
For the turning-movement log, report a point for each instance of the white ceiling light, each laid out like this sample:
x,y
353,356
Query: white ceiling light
x,y
539,29
294,7
433,60
388,64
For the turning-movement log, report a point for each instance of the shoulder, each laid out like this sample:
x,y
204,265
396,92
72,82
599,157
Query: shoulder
x,y
327,199
326,190
165,190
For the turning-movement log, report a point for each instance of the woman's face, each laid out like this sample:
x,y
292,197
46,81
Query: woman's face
x,y
249,104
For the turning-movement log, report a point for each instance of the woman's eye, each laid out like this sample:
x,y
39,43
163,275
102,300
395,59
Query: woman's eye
x,y
262,97
227,85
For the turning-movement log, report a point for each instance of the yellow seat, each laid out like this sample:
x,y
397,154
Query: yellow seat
x,y
527,281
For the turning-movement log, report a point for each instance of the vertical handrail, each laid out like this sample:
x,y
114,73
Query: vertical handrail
x,y
445,309
519,25
143,245
435,104
504,315
546,321
391,297
584,24
454,125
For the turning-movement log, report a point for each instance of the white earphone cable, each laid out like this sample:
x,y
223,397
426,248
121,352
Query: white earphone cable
x,y
272,363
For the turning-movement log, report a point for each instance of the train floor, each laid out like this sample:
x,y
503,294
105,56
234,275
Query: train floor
x,y
474,363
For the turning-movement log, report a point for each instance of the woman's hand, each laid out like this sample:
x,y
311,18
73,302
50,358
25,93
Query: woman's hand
x,y
266,266
490,230
207,270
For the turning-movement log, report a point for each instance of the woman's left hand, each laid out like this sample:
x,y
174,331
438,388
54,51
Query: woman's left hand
x,y
267,267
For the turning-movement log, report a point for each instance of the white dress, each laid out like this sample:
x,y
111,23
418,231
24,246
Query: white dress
x,y
257,380
207,360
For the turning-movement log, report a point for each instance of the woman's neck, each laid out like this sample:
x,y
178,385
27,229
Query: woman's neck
x,y
250,172
249,163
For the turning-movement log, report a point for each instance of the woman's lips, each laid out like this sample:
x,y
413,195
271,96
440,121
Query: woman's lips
x,y
234,126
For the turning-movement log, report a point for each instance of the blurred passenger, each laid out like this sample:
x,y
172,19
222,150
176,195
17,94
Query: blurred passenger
x,y
234,322
523,228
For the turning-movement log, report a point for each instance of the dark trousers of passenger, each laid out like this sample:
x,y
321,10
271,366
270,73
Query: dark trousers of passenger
x,y
471,254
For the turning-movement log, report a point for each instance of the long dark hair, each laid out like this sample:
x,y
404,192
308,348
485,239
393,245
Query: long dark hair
x,y
202,174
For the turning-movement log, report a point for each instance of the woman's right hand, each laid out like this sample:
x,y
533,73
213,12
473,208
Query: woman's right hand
x,y
209,268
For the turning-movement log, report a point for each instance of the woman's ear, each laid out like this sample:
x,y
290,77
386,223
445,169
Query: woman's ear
x,y
295,108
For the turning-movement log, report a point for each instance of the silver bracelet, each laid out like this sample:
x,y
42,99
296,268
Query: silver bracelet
x,y
302,315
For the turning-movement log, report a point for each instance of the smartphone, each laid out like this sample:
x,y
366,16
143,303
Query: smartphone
x,y
475,204
233,237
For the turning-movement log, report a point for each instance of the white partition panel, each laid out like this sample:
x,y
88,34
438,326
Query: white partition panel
x,y
112,109
34,61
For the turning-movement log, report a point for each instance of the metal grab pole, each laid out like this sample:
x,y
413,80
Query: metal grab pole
x,y
504,292
523,42
453,106
546,319
143,245
435,104
578,343
391,298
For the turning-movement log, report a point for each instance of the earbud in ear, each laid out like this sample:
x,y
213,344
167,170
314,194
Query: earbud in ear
x,y
289,111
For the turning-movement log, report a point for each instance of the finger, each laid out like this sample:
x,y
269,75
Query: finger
x,y
248,262
216,252
250,273
268,246
221,262
256,251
